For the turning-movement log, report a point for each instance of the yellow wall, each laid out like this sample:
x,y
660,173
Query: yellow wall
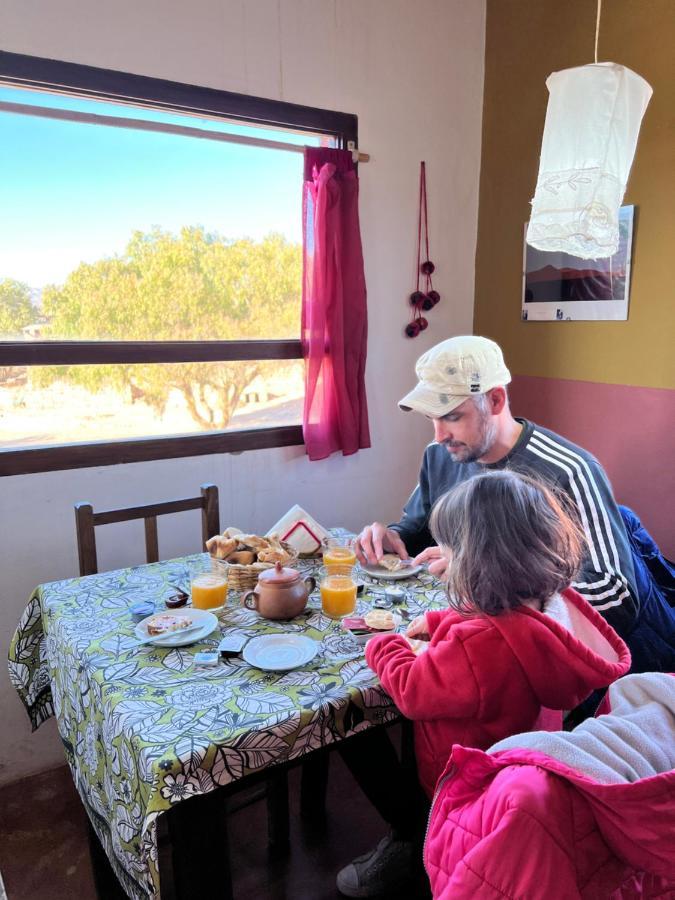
x,y
526,40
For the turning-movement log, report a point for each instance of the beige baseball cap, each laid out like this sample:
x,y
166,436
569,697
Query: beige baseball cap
x,y
454,370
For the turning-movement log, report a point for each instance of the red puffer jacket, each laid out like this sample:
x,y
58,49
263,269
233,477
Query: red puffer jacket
x,y
520,823
487,677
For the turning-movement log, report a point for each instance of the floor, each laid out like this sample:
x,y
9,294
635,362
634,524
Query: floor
x,y
44,852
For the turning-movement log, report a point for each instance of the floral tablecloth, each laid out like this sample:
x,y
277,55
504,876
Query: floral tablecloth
x,y
144,728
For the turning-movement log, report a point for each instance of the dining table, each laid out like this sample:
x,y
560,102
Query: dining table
x,y
146,728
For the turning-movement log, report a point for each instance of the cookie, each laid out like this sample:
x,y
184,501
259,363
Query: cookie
x,y
379,620
391,562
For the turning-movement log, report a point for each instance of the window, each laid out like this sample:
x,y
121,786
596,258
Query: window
x,y
150,266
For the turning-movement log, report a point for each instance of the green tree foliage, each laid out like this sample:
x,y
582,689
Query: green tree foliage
x,y
191,286
16,310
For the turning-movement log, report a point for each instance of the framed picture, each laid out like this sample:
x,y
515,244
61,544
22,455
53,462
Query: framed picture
x,y
560,287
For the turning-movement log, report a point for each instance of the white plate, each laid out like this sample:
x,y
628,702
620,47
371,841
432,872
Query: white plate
x,y
175,639
386,575
280,652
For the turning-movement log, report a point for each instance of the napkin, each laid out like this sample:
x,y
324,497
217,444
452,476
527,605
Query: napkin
x,y
300,530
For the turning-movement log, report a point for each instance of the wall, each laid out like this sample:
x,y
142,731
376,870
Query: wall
x,y
608,386
413,73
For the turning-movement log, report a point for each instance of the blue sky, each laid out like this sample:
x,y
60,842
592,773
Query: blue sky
x,y
74,192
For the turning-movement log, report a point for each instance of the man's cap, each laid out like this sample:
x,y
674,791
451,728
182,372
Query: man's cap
x,y
453,370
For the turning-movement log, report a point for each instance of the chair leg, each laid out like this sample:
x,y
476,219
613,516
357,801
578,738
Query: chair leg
x,y
277,810
314,782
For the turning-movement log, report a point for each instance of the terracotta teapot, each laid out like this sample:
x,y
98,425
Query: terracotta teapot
x,y
280,593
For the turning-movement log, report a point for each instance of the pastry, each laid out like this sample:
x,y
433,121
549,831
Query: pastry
x,y
380,620
273,556
242,557
391,562
220,546
253,542
165,623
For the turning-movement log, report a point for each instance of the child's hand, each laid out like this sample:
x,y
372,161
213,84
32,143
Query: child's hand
x,y
418,647
437,563
419,629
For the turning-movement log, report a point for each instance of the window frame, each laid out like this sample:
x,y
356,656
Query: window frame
x,y
106,84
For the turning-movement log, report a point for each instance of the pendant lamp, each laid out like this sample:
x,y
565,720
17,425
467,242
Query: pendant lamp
x,y
590,135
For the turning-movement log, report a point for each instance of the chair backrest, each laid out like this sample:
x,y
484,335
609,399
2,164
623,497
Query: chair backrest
x,y
86,520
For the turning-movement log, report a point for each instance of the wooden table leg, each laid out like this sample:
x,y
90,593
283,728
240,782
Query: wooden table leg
x,y
200,856
277,810
105,881
314,781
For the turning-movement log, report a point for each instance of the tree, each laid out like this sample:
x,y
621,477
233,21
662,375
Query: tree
x,y
191,286
16,310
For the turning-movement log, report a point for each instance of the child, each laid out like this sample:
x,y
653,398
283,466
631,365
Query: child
x,y
517,645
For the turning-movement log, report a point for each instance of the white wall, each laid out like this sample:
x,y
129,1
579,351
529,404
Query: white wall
x,y
413,73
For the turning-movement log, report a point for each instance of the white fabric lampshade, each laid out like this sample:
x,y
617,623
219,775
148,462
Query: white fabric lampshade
x,y
590,134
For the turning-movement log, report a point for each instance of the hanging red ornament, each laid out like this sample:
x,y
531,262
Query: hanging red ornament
x,y
422,300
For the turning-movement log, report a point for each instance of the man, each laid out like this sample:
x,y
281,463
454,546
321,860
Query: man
x,y
462,390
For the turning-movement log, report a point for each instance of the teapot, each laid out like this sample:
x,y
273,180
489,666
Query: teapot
x,y
280,593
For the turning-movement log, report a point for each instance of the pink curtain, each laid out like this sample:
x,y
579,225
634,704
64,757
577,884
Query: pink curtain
x,y
334,321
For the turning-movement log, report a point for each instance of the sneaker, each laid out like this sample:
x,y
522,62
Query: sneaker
x,y
379,871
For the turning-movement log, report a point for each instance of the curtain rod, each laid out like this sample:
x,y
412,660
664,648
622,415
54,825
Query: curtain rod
x,y
71,115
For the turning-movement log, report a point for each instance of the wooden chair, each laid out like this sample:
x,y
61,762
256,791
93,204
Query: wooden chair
x,y
275,787
86,521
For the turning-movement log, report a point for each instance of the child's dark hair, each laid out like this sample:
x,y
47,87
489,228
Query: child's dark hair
x,y
510,539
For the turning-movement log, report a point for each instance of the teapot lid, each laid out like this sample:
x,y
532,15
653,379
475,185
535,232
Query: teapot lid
x,y
279,575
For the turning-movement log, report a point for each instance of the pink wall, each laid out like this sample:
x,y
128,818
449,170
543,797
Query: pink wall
x,y
631,430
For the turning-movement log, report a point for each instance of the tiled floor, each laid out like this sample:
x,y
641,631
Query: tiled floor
x,y
44,851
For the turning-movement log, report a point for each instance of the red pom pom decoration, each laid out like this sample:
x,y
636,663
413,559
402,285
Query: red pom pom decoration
x,y
427,303
434,296
412,329
422,322
417,299
427,267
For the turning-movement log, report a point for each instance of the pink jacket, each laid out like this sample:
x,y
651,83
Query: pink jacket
x,y
519,823
485,678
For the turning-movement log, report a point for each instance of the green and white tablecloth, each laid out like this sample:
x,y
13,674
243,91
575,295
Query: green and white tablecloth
x,y
143,728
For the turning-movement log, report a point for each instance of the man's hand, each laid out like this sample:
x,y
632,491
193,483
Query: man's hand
x,y
438,564
418,629
375,540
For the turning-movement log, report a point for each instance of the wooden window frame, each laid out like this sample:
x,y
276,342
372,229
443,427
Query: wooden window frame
x,y
91,82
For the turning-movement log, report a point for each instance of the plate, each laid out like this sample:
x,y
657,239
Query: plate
x,y
280,652
175,639
380,572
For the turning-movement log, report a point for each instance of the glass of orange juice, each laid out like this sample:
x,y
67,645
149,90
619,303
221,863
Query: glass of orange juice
x,y
209,587
338,591
339,551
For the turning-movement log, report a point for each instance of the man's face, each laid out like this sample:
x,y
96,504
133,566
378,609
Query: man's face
x,y
468,432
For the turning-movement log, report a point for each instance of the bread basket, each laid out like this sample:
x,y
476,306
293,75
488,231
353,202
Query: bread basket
x,y
245,578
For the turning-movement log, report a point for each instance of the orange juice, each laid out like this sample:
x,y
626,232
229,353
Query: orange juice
x,y
209,590
339,556
338,595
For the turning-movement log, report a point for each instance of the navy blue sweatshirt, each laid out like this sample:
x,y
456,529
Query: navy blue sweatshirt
x,y
607,579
